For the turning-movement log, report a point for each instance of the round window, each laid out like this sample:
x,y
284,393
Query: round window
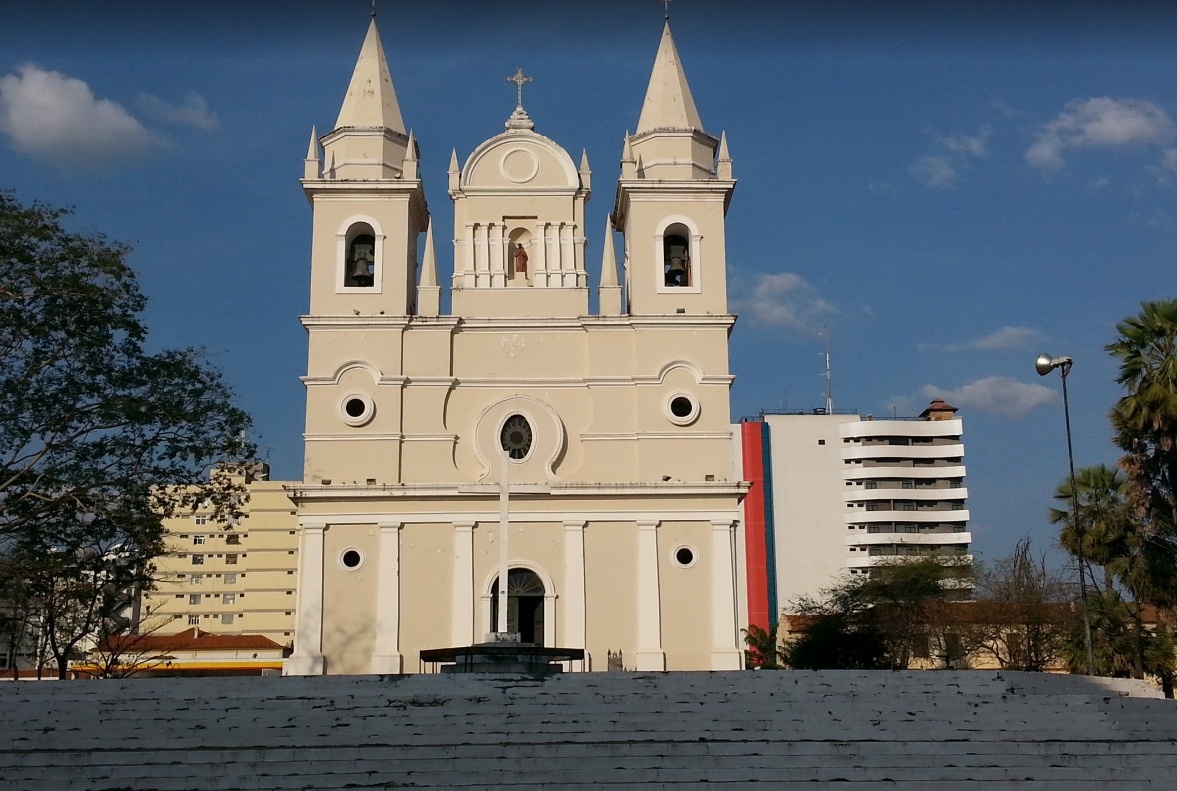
x,y
684,556
682,409
357,409
515,437
351,559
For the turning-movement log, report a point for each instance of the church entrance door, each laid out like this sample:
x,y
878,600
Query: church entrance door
x,y
525,605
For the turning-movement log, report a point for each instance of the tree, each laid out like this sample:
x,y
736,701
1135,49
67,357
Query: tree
x,y
1144,422
100,439
1021,612
1102,517
883,620
763,651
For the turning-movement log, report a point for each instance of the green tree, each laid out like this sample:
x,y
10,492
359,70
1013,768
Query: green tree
x,y
1103,517
1144,422
883,620
100,439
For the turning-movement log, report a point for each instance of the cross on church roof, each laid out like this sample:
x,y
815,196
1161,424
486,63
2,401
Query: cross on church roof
x,y
665,4
520,79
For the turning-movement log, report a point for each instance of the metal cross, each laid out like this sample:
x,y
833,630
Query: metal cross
x,y
520,80
666,4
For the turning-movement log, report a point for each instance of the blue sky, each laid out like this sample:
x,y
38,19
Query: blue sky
x,y
951,188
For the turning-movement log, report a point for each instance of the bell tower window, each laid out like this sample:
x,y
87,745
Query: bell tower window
x,y
360,262
676,257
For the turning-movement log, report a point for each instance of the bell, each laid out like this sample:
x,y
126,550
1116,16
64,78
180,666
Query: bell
x,y
359,269
676,272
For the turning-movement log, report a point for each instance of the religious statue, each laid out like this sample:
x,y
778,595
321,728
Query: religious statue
x,y
520,259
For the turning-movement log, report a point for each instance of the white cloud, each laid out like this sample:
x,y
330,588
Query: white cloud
x,y
783,299
57,118
1169,159
974,145
1100,122
1004,338
935,171
998,395
193,111
943,170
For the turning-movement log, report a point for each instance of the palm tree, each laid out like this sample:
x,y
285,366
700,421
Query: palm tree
x,y
1104,518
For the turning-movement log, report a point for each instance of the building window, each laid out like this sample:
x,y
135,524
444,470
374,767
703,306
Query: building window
x,y
194,620
956,483
872,484
194,598
197,540
351,559
958,506
201,520
359,266
198,560
229,598
197,579
821,442
905,505
873,506
230,579
907,485
231,560
232,539
515,438
684,556
227,618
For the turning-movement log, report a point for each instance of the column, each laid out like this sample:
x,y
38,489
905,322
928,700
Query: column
x,y
650,655
575,633
540,252
307,659
725,650
498,259
386,656
462,594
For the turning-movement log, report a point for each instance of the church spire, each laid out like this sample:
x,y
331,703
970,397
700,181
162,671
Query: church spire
x,y
371,99
609,293
428,292
668,104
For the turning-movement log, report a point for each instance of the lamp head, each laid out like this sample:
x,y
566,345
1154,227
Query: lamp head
x,y
1045,364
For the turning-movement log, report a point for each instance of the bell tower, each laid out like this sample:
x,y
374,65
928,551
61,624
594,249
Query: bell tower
x,y
672,199
369,216
368,202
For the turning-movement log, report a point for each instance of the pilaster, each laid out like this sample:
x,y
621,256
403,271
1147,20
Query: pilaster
x,y
650,655
386,656
307,659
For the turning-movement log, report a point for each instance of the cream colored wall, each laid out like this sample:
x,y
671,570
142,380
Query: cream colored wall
x,y
350,598
686,594
610,591
426,585
267,559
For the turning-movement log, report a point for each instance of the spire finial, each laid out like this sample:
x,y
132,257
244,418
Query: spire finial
x,y
520,79
519,119
665,4
373,9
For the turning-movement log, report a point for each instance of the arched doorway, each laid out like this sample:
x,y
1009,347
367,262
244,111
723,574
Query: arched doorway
x,y
525,605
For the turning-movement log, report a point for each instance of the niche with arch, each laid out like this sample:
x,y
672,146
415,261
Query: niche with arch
x,y
519,267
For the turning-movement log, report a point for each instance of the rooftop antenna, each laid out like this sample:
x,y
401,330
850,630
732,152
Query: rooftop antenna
x,y
825,330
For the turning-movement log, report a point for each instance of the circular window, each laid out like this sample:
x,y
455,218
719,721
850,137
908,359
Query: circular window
x,y
682,409
516,437
685,557
356,409
351,559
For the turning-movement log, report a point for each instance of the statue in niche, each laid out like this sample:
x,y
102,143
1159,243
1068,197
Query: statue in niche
x,y
520,260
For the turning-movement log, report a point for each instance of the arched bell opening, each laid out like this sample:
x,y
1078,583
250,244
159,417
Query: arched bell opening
x,y
360,257
526,605
676,256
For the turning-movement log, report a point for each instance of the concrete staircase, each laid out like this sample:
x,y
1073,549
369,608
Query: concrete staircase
x,y
923,730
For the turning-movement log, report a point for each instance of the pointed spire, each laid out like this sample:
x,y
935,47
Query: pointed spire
x,y
312,163
586,174
371,99
409,170
609,294
584,165
455,173
608,258
723,160
428,292
629,164
668,103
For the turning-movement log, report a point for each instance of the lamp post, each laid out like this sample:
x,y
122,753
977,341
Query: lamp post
x,y
1044,365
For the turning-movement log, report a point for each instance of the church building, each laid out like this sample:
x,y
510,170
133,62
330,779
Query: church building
x,y
602,439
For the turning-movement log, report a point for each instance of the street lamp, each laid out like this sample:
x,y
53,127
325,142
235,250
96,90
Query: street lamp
x,y
1044,365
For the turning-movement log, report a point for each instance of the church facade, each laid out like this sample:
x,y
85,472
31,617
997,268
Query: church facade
x,y
602,440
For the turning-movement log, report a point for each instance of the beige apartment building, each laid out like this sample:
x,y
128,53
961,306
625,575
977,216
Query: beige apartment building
x,y
229,579
608,429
